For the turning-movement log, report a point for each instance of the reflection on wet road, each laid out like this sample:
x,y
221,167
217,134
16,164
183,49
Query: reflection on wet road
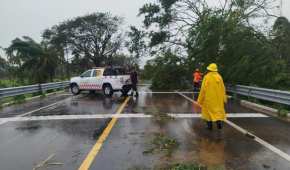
x,y
131,144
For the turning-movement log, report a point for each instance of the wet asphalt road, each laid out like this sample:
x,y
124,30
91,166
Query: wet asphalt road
x,y
24,145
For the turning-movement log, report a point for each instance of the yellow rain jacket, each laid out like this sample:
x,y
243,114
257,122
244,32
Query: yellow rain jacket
x,y
212,97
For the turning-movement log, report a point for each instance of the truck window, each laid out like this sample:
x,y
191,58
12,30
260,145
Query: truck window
x,y
110,72
97,73
87,73
121,71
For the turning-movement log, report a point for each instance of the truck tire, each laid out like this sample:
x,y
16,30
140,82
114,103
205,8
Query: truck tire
x,y
108,90
75,89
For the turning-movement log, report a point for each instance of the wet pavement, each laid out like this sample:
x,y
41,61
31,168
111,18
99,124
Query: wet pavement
x,y
160,103
90,104
131,144
25,145
36,103
229,149
271,130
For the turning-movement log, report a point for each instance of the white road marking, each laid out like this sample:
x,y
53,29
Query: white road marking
x,y
125,115
45,107
229,115
5,120
188,98
261,141
164,92
256,138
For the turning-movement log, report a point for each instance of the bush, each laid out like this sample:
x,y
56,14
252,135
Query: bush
x,y
19,99
167,72
8,83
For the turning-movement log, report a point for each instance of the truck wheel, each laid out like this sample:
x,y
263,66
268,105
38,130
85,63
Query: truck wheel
x,y
75,89
108,90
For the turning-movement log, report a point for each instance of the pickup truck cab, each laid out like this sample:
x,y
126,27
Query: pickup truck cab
x,y
106,79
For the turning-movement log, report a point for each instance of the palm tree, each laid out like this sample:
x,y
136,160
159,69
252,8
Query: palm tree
x,y
34,61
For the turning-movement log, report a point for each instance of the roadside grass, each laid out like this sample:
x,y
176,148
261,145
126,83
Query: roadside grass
x,y
162,144
19,99
9,83
283,112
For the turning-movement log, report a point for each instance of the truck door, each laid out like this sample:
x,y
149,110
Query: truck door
x,y
85,80
110,76
96,80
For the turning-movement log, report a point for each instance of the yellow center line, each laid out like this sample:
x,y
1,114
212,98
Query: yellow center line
x,y
97,147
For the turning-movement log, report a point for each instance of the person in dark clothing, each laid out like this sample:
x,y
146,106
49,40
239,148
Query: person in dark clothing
x,y
134,80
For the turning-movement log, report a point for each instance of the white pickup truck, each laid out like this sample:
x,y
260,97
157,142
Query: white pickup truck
x,y
108,80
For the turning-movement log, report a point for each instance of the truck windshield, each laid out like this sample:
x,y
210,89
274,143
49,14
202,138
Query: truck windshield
x,y
87,74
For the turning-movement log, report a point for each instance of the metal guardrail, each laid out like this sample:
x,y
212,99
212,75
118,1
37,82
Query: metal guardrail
x,y
276,96
15,91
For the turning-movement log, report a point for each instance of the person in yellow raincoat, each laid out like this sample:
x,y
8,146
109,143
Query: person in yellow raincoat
x,y
212,98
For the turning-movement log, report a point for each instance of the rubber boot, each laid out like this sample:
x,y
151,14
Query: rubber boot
x,y
209,125
219,124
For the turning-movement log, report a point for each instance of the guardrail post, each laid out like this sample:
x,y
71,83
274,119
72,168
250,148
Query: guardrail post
x,y
235,93
40,89
63,86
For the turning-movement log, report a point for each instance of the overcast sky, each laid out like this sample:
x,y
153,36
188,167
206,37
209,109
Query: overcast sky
x,y
31,17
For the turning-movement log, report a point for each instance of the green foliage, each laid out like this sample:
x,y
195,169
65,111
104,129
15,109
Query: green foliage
x,y
187,167
220,34
3,67
157,38
36,94
19,99
136,43
162,143
50,91
283,113
150,10
244,55
92,39
167,72
8,83
281,40
32,60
